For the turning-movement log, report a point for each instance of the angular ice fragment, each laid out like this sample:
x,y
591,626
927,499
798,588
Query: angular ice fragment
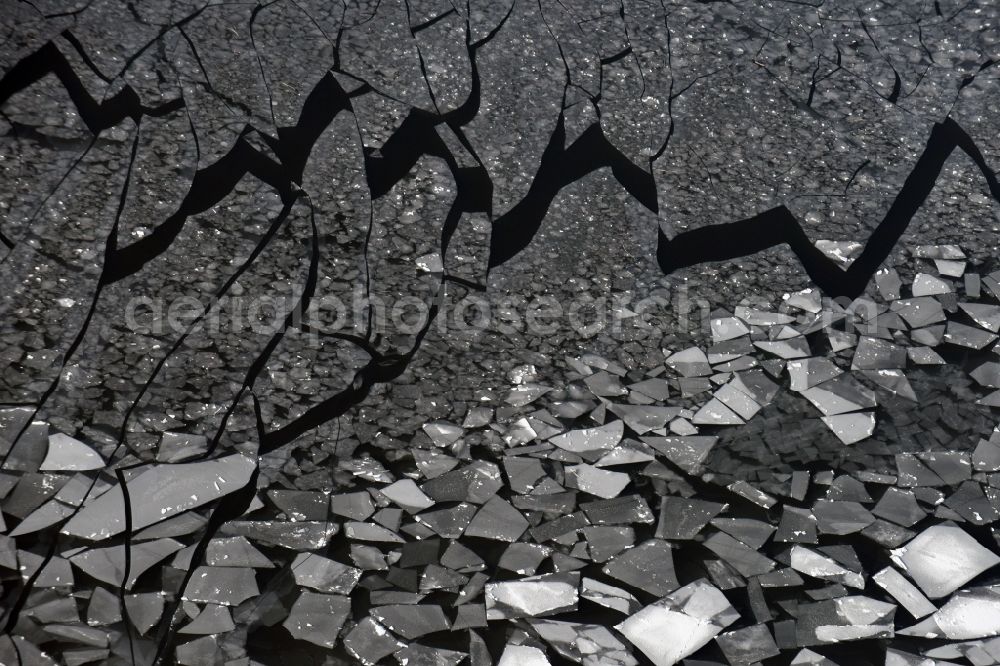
x,y
876,354
683,518
213,619
618,511
229,586
144,610
925,284
77,633
648,566
66,454
986,457
952,252
893,381
47,514
178,446
808,372
900,507
202,651
108,564
728,328
56,573
748,645
422,655
629,452
448,523
839,395
842,252
679,624
609,596
235,552
924,356
601,438
755,495
433,464
851,428
753,533
369,642
595,481
756,317
522,655
888,283
643,418
741,557
851,618
686,452
755,384
299,505
905,592
943,558
809,300
323,574
407,495
476,482
497,520
894,657
817,565
285,534
180,525
786,349
430,263
987,374
370,532
973,613
987,316
411,620
838,517
656,388
807,657
968,336
690,362
525,394
587,644
919,312
160,492
714,412
523,558
535,596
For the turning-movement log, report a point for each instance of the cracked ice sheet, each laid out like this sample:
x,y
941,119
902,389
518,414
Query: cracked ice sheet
x,y
739,113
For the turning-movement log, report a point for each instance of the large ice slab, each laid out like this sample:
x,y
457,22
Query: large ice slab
x,y
160,492
679,624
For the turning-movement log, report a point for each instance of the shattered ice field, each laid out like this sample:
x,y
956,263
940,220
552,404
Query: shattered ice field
x,y
531,332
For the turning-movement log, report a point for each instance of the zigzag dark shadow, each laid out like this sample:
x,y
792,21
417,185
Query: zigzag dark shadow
x,y
97,116
214,182
778,226
559,167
